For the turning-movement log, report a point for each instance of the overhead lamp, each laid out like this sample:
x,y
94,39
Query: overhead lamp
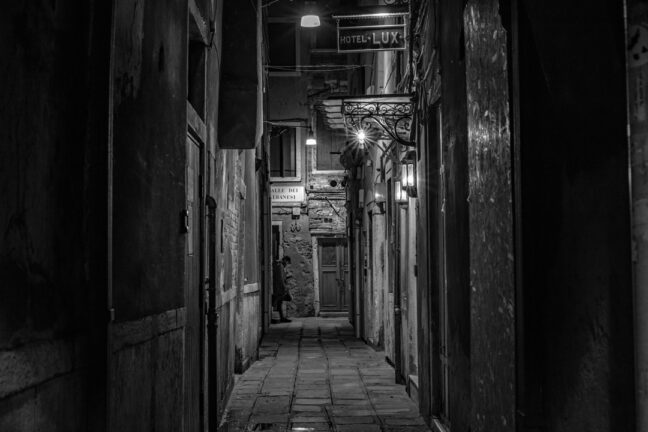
x,y
310,140
361,136
399,193
408,173
310,20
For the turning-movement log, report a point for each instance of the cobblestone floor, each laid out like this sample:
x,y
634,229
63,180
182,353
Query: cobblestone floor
x,y
314,375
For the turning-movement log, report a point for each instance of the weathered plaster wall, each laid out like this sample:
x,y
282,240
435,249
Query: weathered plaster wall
x,y
52,281
299,273
408,267
454,141
637,73
249,294
149,124
491,220
145,387
149,135
374,225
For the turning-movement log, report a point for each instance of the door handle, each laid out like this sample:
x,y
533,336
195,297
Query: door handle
x,y
184,216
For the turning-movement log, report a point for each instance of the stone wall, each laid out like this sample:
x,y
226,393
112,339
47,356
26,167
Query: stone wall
x,y
297,245
491,221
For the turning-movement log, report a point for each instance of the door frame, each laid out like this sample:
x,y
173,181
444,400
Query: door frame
x,y
195,248
316,244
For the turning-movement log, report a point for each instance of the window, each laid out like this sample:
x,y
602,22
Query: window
x,y
285,152
283,55
329,146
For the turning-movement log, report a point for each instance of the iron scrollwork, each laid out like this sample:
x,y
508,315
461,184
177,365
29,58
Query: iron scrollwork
x,y
393,119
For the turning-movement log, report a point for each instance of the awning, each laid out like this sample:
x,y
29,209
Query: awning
x,y
389,115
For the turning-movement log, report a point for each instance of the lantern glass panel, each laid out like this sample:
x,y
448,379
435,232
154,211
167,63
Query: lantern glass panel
x,y
399,192
409,180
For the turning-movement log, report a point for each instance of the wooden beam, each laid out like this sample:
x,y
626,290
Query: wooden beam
x,y
196,124
198,25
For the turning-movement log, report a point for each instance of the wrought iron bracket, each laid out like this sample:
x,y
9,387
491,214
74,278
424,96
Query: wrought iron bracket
x,y
392,119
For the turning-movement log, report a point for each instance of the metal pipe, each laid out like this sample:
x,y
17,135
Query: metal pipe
x,y
212,319
398,363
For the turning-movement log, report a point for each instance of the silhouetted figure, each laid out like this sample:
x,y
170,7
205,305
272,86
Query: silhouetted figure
x,y
280,291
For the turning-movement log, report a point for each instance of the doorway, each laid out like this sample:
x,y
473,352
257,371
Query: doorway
x,y
194,294
333,274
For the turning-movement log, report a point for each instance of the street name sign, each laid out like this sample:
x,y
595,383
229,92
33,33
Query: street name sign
x,y
283,194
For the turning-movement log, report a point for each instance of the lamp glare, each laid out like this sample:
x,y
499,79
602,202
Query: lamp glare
x,y
310,140
310,21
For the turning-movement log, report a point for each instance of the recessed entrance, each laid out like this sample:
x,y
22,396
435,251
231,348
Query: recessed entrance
x,y
333,275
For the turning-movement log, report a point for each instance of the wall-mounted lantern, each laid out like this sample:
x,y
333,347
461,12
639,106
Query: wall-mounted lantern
x,y
310,140
380,193
400,194
408,173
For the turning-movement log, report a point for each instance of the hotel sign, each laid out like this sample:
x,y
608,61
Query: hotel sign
x,y
283,194
386,37
384,30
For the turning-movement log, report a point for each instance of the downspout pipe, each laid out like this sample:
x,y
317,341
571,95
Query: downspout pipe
x,y
394,223
398,364
212,318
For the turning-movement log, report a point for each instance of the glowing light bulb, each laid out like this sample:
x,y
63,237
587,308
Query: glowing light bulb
x,y
361,136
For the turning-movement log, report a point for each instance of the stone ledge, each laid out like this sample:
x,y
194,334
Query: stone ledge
x,y
251,288
35,363
131,333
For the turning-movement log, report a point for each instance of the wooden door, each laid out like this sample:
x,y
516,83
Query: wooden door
x,y
193,292
334,274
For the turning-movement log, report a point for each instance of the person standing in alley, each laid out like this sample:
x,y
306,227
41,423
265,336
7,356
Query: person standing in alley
x,y
280,291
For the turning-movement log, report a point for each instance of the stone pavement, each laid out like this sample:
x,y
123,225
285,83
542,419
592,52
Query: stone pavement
x,y
314,375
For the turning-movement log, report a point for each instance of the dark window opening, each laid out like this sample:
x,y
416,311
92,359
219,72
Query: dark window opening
x,y
283,152
283,44
329,146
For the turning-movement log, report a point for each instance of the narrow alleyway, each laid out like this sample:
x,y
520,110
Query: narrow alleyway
x,y
314,375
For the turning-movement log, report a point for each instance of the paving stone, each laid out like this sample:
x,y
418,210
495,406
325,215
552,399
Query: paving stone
x,y
354,420
300,418
417,421
312,394
309,408
269,418
351,402
305,401
310,427
315,376
358,428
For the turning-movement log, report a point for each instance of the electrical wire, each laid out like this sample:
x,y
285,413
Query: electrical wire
x,y
314,68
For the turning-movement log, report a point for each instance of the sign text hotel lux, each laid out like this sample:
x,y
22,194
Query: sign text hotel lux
x,y
380,31
371,38
287,194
